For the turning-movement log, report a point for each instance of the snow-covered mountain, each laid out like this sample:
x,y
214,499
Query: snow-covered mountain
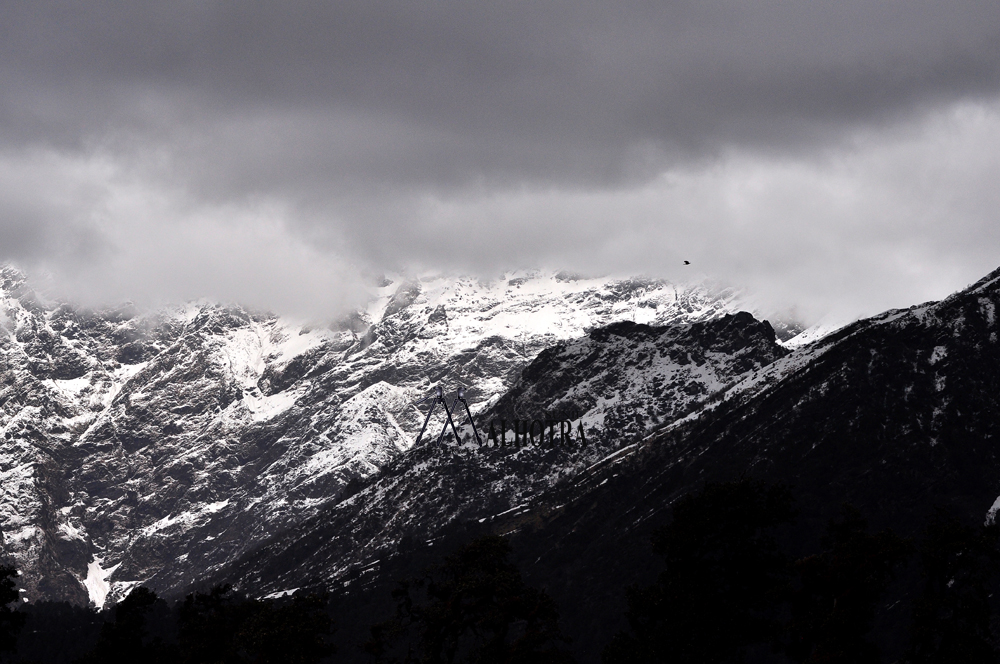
x,y
621,381
897,415
160,447
205,443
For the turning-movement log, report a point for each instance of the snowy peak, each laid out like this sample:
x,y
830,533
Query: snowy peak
x,y
626,378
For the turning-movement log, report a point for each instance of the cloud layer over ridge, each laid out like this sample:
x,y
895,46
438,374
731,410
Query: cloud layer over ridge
x,y
838,156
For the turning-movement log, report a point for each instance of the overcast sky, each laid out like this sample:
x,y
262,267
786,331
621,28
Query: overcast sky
x,y
840,157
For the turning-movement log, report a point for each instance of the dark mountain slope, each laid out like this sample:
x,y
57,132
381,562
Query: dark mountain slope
x,y
897,415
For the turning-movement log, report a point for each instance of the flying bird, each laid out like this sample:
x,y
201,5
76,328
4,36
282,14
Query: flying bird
x,y
687,262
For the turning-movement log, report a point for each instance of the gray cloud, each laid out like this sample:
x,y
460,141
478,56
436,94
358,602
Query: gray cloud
x,y
561,92
482,135
45,215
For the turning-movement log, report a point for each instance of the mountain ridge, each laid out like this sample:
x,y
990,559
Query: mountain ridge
x,y
156,447
895,414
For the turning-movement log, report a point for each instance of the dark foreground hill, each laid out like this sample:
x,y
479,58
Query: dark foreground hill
x,y
898,415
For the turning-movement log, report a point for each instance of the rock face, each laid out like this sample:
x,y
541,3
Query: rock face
x,y
160,447
898,415
606,380
626,378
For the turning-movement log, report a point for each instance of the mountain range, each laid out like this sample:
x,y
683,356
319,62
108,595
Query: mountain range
x,y
895,415
204,443
158,447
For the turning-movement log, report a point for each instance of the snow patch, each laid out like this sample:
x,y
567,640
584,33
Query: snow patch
x,y
281,593
939,353
185,519
512,509
71,387
121,589
242,354
97,581
126,372
289,340
988,309
25,533
811,334
991,514
263,408
70,532
120,377
645,315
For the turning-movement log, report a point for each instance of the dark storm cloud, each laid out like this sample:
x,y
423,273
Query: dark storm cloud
x,y
444,92
44,215
249,150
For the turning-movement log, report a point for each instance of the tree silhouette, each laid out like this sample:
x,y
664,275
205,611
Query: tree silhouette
x,y
833,608
289,633
222,627
475,608
952,617
208,624
723,582
125,639
11,621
